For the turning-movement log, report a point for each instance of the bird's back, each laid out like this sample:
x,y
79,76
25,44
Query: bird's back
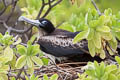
x,y
59,43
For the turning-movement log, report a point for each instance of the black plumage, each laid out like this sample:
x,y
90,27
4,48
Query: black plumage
x,y
57,42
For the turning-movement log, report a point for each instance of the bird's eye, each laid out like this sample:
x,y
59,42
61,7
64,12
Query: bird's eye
x,y
44,22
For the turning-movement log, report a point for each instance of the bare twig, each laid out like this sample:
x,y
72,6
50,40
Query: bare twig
x,y
51,1
50,7
114,51
60,24
41,9
56,3
18,75
96,7
14,2
14,75
5,7
43,5
73,63
107,54
11,29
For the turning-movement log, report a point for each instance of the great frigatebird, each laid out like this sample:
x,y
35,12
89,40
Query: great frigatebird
x,y
56,42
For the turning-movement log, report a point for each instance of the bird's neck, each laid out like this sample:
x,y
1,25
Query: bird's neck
x,y
42,33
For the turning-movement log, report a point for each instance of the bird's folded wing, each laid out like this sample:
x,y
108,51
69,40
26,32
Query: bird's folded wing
x,y
62,45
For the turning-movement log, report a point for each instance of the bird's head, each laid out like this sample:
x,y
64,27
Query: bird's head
x,y
43,24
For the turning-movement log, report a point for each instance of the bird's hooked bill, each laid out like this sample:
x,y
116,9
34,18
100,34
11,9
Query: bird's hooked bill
x,y
30,21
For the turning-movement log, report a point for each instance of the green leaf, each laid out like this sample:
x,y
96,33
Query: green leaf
x,y
8,52
93,23
3,59
117,34
33,38
32,77
81,35
4,69
110,51
106,36
29,62
112,77
21,49
102,54
117,59
21,61
89,16
101,20
26,77
7,39
113,43
35,50
1,36
3,77
105,76
103,29
86,19
36,78
29,50
97,40
91,47
102,68
31,70
91,34
108,12
110,68
1,48
118,76
45,77
45,61
54,77
97,69
37,60
13,78
18,41
12,63
29,43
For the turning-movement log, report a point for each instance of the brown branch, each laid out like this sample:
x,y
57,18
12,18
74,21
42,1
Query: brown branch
x,y
11,29
14,75
56,3
60,24
5,7
114,51
41,9
14,2
96,7
4,3
39,14
19,74
51,1
50,7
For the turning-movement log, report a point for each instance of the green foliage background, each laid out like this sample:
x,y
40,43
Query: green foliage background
x,y
79,16
67,12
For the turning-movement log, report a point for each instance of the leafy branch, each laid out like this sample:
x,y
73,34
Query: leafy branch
x,y
8,44
11,29
100,32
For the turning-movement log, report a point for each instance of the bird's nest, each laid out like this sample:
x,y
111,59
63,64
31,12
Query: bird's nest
x,y
67,70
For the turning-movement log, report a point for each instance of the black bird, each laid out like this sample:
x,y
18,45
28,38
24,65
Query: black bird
x,y
57,42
